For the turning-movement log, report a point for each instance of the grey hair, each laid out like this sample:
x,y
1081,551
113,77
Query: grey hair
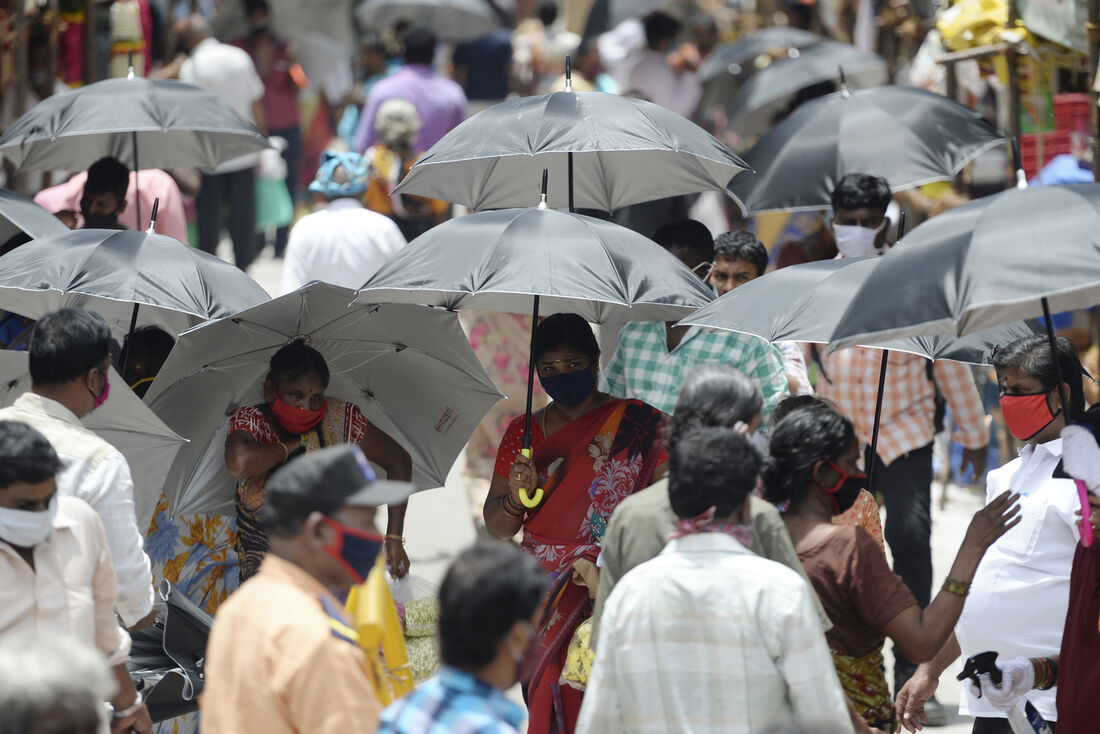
x,y
46,674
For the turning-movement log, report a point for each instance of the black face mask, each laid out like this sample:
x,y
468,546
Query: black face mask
x,y
845,492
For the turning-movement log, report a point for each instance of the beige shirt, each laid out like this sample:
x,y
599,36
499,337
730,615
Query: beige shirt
x,y
275,666
71,589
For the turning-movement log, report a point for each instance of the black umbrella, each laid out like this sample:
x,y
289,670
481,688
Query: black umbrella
x,y
603,152
166,660
20,215
452,20
768,93
906,135
117,272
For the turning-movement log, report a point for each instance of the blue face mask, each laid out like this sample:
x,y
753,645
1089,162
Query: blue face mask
x,y
355,550
570,388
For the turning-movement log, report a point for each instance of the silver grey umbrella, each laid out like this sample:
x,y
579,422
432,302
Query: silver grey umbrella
x,y
602,151
908,136
409,368
130,278
20,215
451,20
123,421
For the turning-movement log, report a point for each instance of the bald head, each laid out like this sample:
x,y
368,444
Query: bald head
x,y
192,30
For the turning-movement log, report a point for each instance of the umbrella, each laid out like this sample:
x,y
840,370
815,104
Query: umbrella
x,y
730,64
906,135
168,657
409,368
985,263
602,151
116,273
452,20
20,215
513,259
768,92
123,421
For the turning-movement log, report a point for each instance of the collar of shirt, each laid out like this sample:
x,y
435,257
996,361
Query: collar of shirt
x,y
343,203
1051,448
32,402
460,681
280,569
705,543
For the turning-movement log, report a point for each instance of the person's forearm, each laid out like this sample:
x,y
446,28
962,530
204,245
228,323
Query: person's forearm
x,y
499,523
245,460
948,654
126,694
937,621
395,519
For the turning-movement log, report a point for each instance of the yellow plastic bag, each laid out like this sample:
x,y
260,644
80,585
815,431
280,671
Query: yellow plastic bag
x,y
374,616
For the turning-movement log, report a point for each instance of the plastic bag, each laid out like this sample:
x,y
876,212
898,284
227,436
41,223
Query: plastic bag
x,y
417,602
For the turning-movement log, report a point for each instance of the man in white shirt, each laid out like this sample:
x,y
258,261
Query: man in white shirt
x,y
68,365
1020,593
708,636
345,243
651,74
229,73
56,579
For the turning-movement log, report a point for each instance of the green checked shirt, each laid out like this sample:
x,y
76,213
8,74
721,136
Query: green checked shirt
x,y
644,369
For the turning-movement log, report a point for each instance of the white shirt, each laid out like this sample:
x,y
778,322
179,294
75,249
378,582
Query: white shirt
x,y
709,637
650,74
1020,593
343,244
71,589
94,471
229,73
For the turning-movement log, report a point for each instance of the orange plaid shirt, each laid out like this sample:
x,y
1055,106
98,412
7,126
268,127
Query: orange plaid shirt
x,y
850,379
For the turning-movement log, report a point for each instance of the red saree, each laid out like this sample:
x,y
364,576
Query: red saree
x,y
585,469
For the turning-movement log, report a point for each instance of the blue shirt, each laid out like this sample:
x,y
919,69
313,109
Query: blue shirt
x,y
452,702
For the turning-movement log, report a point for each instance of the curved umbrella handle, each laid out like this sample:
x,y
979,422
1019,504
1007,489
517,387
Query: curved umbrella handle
x,y
528,501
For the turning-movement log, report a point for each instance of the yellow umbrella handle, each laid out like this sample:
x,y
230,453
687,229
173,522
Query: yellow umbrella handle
x,y
530,502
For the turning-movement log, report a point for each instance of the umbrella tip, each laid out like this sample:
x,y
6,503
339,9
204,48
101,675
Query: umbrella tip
x,y
844,83
542,196
569,73
153,217
130,65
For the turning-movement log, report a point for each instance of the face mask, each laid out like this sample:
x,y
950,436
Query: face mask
x,y
98,400
855,241
100,221
571,388
296,420
1026,415
355,550
845,492
26,529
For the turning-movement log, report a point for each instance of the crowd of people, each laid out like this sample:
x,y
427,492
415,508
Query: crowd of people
x,y
681,536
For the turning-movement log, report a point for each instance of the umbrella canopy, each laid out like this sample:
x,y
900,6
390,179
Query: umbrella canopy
x,y
906,135
123,421
499,260
452,20
804,303
768,92
491,160
113,272
729,65
409,368
985,263
20,215
157,124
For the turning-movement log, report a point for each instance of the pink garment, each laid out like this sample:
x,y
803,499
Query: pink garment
x,y
154,184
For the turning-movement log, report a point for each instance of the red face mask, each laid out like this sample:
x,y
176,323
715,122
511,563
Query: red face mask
x,y
1026,415
296,420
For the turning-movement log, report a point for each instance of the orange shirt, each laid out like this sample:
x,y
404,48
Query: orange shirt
x,y
275,665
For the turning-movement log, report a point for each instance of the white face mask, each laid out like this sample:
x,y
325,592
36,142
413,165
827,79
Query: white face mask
x,y
855,241
25,528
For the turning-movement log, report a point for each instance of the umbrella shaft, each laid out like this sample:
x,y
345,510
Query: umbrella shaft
x,y
878,419
531,375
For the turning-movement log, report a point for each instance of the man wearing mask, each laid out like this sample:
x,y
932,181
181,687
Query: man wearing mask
x,y
104,197
1021,592
69,364
489,604
282,656
903,468
56,579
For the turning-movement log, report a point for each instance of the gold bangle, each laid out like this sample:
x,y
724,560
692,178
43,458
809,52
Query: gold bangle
x,y
959,588
391,536
286,452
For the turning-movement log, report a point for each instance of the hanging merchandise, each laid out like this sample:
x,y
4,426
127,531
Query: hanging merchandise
x,y
71,51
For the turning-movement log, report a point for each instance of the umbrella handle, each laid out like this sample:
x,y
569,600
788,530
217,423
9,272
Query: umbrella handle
x,y
528,501
1086,512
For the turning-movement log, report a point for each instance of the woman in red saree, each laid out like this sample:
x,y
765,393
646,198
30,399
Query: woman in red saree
x,y
589,451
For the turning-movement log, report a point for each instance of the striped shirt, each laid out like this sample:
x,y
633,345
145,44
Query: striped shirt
x,y
452,702
850,379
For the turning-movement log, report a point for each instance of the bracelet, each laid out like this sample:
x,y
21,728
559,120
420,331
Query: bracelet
x,y
286,452
509,507
131,709
959,588
391,536
1046,673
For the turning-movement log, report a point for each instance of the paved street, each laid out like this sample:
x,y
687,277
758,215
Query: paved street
x,y
438,523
